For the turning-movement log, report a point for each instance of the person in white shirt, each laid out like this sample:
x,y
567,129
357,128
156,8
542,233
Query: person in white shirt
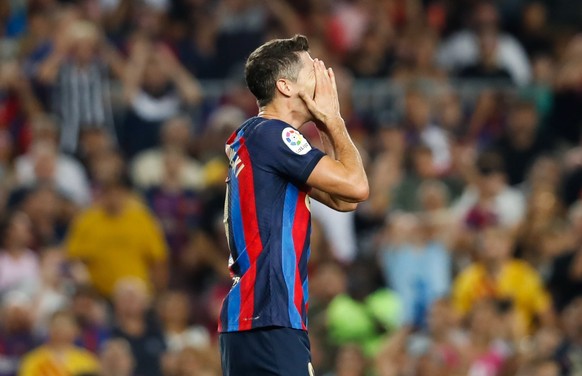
x,y
43,156
462,48
147,168
489,200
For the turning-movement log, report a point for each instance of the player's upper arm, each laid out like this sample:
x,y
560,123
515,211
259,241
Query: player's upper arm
x,y
332,177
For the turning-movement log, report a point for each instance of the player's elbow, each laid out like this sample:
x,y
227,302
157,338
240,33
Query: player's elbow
x,y
360,191
346,206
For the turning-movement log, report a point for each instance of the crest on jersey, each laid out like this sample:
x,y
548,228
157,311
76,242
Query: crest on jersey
x,y
295,141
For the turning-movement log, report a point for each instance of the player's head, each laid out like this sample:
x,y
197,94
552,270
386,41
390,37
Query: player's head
x,y
281,68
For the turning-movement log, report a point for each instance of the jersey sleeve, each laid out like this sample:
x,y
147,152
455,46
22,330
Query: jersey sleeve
x,y
284,150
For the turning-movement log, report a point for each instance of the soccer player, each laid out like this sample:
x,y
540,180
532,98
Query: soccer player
x,y
273,173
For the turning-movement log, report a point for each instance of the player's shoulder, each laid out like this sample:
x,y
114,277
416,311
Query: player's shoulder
x,y
275,133
265,128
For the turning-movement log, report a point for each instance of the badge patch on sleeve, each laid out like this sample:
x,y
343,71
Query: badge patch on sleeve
x,y
295,141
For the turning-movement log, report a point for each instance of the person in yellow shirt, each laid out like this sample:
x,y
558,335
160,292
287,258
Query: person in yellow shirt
x,y
496,275
117,237
59,356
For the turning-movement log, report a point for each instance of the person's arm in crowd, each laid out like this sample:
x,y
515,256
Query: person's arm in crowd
x,y
49,69
12,78
386,173
338,182
140,51
114,60
187,85
286,15
116,18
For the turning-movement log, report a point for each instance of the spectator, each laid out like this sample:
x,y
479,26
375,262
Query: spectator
x,y
442,338
565,283
68,174
422,169
117,236
116,358
350,362
339,229
59,354
421,46
451,115
416,266
544,235
156,88
148,168
51,297
487,349
422,131
179,209
16,335
487,67
45,171
569,351
133,323
496,275
461,49
522,143
489,200
173,312
373,57
49,213
91,315
78,70
533,33
197,362
19,266
18,104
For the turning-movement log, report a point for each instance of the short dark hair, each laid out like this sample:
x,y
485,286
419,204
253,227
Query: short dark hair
x,y
275,59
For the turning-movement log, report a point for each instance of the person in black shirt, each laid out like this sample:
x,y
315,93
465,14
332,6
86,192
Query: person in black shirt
x,y
134,323
565,282
487,68
522,142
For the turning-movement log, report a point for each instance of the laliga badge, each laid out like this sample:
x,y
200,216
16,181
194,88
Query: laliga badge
x,y
295,141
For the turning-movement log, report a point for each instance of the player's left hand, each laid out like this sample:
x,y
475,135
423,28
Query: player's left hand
x,y
324,106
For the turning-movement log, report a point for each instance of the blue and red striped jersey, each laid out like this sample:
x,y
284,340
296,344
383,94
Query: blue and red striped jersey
x,y
268,224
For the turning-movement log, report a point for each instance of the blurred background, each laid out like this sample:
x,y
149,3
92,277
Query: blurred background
x,y
466,259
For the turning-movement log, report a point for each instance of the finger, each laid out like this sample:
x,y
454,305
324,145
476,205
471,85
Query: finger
x,y
325,83
309,102
319,77
331,75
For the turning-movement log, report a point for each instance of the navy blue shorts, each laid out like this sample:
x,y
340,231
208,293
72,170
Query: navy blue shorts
x,y
266,351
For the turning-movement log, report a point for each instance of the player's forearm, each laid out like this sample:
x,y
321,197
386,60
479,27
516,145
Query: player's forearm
x,y
327,145
347,154
332,201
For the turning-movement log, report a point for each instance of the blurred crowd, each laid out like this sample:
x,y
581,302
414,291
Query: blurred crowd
x,y
466,259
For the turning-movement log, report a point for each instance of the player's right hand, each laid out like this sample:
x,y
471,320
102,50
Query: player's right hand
x,y
324,106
